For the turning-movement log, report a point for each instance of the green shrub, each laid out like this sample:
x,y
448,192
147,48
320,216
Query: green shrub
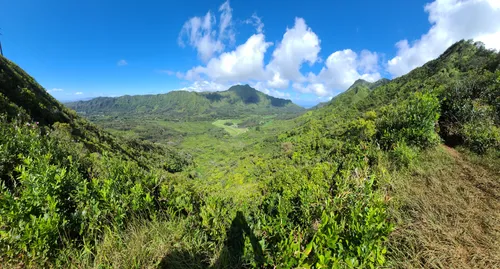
x,y
412,121
480,136
402,155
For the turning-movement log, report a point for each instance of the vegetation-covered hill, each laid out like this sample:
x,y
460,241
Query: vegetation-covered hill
x,y
63,179
362,182
23,99
237,101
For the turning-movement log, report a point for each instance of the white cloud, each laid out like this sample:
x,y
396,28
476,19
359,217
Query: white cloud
x,y
78,93
315,88
368,61
200,34
256,21
299,45
260,86
205,86
341,70
244,63
452,20
122,63
225,26
55,90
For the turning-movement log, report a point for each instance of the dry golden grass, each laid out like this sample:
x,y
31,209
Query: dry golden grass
x,y
447,211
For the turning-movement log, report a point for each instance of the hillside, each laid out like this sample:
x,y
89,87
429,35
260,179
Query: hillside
x,y
237,101
359,90
63,179
365,181
22,98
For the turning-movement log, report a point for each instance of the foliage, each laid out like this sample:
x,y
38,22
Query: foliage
x,y
307,192
412,121
182,105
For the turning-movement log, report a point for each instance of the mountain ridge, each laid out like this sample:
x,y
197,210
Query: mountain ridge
x,y
237,100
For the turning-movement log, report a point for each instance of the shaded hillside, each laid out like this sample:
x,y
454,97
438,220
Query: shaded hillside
x,y
236,101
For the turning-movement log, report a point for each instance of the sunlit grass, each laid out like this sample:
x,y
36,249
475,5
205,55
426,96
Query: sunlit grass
x,y
233,130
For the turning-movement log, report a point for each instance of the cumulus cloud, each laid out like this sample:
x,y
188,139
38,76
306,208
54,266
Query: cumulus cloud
x,y
315,88
451,20
260,86
299,45
341,69
122,63
205,86
244,63
78,93
199,32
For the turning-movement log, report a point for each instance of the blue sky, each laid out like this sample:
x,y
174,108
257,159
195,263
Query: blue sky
x,y
307,51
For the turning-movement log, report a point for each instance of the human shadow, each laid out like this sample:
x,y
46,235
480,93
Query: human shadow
x,y
234,246
231,255
179,259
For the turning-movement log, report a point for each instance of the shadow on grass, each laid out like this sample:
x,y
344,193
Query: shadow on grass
x,y
184,259
232,253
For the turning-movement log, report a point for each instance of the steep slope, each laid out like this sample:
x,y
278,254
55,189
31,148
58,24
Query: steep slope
x,y
464,78
447,207
236,101
62,179
444,205
21,97
358,91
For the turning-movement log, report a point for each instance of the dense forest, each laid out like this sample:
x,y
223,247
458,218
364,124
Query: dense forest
x,y
401,174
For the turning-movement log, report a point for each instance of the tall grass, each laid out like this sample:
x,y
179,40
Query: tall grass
x,y
447,211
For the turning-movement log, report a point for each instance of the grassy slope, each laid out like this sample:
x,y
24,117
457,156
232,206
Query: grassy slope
x,y
447,207
445,217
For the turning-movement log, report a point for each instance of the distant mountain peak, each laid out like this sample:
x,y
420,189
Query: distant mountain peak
x,y
235,101
242,87
360,81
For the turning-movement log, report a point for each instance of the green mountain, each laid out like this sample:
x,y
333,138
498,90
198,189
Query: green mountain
x,y
237,101
358,90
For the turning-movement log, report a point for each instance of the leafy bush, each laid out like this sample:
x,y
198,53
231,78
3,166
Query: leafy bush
x,y
412,121
470,112
480,136
402,155
57,193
